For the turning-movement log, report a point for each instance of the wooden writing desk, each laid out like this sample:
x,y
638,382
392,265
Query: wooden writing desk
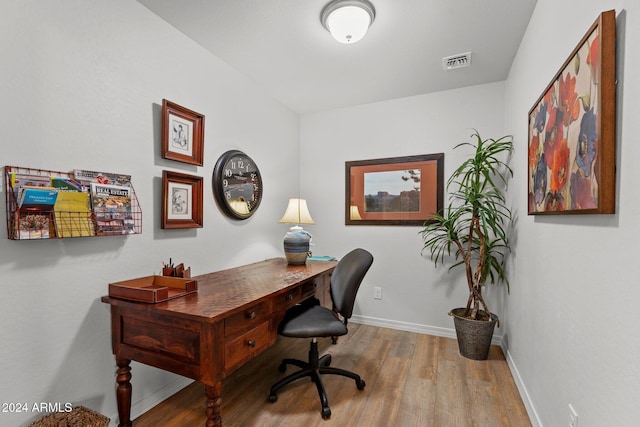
x,y
232,318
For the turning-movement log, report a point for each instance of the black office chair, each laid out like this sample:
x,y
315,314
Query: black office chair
x,y
314,321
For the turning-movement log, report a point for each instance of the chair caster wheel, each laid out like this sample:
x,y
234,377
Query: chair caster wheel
x,y
327,360
283,367
326,412
273,398
360,384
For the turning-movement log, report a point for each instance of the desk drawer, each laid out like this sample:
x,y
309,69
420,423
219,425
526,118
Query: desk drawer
x,y
309,288
287,299
246,346
246,319
294,296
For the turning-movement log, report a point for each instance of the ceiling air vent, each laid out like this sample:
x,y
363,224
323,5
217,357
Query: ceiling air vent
x,y
456,61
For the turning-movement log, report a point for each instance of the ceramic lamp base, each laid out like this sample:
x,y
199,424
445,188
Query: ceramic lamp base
x,y
296,246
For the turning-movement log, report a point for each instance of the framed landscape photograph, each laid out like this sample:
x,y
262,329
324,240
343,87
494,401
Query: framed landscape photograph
x,y
572,130
181,200
182,134
394,191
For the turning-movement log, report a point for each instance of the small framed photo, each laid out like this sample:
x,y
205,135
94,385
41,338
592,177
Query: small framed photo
x,y
394,191
181,200
182,134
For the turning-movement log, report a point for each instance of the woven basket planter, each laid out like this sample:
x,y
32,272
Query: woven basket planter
x,y
77,417
474,336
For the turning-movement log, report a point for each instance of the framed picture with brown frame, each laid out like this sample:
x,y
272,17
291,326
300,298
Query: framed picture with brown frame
x,y
394,191
182,134
181,200
572,130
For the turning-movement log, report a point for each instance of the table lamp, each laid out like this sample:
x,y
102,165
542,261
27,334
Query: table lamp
x,y
354,213
297,240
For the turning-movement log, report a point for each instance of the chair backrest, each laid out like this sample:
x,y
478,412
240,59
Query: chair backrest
x,y
346,279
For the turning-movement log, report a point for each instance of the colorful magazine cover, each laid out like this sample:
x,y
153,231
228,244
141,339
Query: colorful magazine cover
x,y
32,225
85,177
111,205
73,215
37,197
21,180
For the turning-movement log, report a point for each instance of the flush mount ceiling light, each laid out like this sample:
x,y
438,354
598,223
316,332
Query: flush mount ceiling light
x,y
348,20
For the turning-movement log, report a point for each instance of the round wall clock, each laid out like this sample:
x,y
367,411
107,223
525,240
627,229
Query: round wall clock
x,y
237,185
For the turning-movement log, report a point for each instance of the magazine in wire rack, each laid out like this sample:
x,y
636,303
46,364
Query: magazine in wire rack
x,y
111,206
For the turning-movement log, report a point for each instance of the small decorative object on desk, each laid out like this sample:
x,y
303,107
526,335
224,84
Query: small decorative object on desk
x,y
152,289
297,240
176,271
321,258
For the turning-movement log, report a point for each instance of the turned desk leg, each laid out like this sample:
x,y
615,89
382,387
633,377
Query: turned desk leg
x,y
123,391
214,400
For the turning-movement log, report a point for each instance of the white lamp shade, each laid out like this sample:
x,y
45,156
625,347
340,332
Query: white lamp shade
x,y
354,213
348,20
297,213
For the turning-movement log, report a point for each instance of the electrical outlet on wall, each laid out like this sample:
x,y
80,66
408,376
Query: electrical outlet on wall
x,y
377,292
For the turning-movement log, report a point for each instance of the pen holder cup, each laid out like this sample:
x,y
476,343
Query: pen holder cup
x,y
177,272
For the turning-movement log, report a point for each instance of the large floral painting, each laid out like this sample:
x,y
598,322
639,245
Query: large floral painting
x,y
572,130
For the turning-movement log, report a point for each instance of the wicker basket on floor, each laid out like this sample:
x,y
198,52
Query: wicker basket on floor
x,y
77,417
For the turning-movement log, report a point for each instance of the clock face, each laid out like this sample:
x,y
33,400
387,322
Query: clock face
x,y
237,185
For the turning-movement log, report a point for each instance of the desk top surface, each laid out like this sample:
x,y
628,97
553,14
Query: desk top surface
x,y
227,291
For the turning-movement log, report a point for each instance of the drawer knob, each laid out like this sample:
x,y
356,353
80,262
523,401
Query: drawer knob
x,y
251,343
251,315
289,297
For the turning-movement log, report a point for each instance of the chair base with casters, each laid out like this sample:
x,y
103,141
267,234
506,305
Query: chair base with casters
x,y
313,368
312,321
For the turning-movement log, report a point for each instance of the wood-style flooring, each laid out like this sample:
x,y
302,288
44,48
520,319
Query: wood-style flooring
x,y
413,380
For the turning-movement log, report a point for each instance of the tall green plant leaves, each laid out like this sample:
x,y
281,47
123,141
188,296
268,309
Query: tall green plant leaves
x,y
473,228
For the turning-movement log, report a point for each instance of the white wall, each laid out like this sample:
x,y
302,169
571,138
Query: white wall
x,y
415,295
572,316
82,83
568,324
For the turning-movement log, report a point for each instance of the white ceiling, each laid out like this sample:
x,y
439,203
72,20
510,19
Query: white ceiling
x,y
282,46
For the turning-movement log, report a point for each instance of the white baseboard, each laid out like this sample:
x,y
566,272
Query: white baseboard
x,y
152,399
414,327
524,394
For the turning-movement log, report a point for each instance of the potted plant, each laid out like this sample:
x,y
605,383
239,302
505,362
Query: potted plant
x,y
475,225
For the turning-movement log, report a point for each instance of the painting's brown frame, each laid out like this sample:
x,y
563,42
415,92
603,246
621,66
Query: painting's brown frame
x,y
197,133
604,169
195,218
431,165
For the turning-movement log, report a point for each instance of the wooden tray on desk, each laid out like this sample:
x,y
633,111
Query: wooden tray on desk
x,y
152,289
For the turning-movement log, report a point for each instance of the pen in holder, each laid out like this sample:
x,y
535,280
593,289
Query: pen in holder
x,y
177,271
